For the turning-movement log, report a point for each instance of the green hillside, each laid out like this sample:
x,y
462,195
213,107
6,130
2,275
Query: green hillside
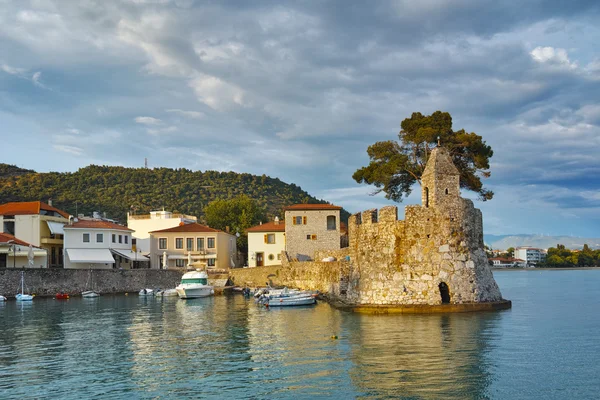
x,y
117,190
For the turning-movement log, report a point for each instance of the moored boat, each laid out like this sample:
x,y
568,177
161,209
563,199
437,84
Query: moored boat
x,y
62,296
22,296
194,285
89,294
166,293
2,298
298,300
146,292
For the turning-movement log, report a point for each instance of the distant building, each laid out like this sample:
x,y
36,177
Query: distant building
x,y
530,255
311,227
97,244
143,224
14,253
500,262
37,223
265,243
205,246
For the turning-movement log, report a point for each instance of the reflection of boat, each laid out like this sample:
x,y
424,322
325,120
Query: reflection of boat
x,y
90,293
297,300
166,292
194,285
22,296
62,296
146,292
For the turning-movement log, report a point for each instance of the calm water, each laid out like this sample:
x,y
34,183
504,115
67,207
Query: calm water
x,y
547,347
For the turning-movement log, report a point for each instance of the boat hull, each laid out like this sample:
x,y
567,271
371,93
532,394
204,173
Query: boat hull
x,y
89,294
194,292
291,301
24,297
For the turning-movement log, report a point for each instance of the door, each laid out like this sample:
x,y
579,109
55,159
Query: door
x,y
2,260
260,259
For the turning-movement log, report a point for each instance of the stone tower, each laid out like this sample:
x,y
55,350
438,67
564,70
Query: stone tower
x,y
440,182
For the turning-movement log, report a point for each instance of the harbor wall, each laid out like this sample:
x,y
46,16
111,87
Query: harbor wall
x,y
48,282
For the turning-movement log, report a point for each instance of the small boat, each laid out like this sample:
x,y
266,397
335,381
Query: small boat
x,y
276,292
146,292
299,300
22,296
194,285
2,298
88,294
62,296
166,293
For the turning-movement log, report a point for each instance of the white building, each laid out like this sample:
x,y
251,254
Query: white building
x,y
143,224
37,223
97,244
530,255
265,243
14,253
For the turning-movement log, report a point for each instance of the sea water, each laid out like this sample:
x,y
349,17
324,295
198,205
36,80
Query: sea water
x,y
546,347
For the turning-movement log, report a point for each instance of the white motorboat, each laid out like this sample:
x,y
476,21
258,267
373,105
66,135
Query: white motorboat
x,y
166,293
146,292
194,285
22,296
88,294
2,298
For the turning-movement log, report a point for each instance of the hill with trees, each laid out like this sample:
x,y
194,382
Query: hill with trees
x,y
118,190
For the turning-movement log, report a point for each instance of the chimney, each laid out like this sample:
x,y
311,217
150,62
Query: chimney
x,y
227,229
50,202
276,221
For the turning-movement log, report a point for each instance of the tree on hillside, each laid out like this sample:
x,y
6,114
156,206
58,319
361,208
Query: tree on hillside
x,y
396,166
237,214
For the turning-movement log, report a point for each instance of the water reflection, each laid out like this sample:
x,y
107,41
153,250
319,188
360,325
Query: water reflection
x,y
424,356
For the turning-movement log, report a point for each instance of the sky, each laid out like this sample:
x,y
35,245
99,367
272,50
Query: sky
x,y
298,90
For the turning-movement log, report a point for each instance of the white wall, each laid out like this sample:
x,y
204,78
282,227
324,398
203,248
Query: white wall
x,y
256,243
74,240
143,227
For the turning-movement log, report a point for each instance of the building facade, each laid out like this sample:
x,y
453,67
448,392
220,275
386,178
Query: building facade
x,y
14,253
311,227
143,224
265,243
97,244
530,255
37,223
205,247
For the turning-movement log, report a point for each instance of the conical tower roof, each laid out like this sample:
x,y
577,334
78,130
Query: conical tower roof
x,y
440,163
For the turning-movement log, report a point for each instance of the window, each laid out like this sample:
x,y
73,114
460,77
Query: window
x,y
426,197
210,262
162,244
271,257
120,238
210,243
312,237
180,263
270,238
331,223
307,237
446,190
299,220
179,243
114,238
279,256
126,239
189,244
200,244
86,238
99,237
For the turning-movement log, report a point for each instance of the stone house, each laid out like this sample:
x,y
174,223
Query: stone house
x,y
311,227
265,243
37,223
204,246
98,244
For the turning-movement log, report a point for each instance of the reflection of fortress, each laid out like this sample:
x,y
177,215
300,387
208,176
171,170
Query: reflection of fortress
x,y
434,256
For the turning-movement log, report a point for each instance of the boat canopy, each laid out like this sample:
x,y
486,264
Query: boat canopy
x,y
90,256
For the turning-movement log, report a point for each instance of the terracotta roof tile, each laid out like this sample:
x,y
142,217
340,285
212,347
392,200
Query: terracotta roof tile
x,y
308,207
97,224
268,227
5,237
189,228
28,208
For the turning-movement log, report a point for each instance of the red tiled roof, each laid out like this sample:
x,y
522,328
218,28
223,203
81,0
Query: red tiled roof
x,y
308,207
268,227
5,237
506,259
189,228
28,208
97,224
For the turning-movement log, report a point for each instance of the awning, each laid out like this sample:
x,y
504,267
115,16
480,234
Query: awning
x,y
90,256
56,228
194,256
130,255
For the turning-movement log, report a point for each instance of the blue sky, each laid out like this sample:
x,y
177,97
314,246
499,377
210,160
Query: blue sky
x,y
298,90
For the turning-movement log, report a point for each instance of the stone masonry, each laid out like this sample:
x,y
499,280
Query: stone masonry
x,y
307,229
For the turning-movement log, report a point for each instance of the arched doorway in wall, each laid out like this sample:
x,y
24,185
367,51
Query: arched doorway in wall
x,y
444,292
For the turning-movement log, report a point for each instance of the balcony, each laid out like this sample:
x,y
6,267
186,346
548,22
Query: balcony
x,y
50,240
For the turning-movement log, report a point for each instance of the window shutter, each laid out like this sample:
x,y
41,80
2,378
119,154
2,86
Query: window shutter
x,y
266,238
303,220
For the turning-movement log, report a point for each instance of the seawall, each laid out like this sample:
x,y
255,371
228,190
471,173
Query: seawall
x,y
48,282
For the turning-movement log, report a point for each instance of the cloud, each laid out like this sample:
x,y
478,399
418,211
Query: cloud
x,y
550,55
187,114
12,70
77,151
148,121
